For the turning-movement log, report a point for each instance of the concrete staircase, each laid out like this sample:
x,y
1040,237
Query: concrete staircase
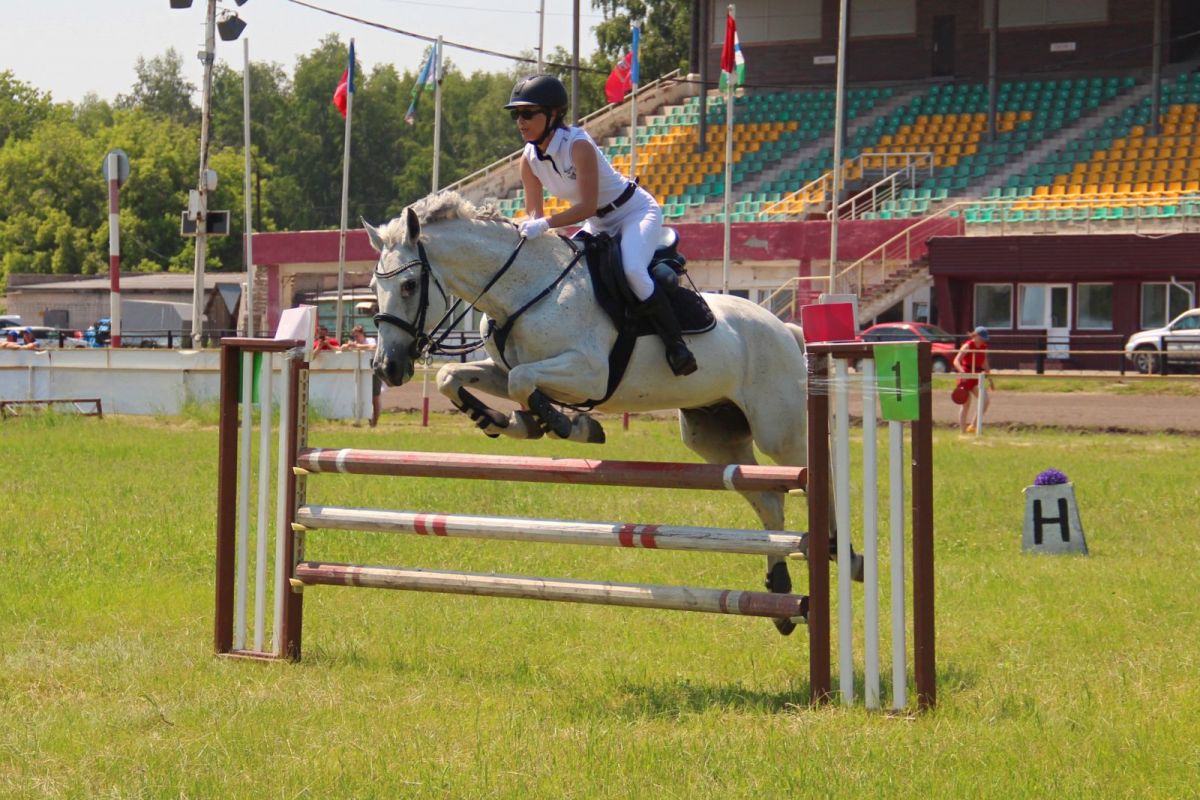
x,y
899,284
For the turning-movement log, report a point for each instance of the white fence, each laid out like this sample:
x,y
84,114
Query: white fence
x,y
166,381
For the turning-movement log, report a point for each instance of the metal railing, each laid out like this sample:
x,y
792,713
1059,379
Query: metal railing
x,y
901,175
894,167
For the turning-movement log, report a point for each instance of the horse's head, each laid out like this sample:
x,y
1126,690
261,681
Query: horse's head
x,y
410,297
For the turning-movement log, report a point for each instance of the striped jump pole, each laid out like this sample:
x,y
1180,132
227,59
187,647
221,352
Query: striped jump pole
x,y
606,534
636,595
578,471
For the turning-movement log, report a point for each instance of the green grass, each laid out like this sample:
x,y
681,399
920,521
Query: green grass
x,y
1063,677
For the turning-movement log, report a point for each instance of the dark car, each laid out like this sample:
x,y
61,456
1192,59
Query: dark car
x,y
943,343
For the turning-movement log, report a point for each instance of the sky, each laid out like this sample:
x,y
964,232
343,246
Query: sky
x,y
70,48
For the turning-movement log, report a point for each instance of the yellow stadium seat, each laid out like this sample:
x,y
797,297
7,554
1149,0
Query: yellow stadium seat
x,y
1041,191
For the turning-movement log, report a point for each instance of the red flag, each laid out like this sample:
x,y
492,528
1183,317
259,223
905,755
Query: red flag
x,y
339,95
620,80
727,58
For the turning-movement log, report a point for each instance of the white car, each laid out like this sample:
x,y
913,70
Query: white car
x,y
1179,340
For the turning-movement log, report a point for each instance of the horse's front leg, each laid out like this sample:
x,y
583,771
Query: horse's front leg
x,y
486,377
571,374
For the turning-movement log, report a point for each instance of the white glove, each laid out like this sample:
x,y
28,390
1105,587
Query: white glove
x,y
533,228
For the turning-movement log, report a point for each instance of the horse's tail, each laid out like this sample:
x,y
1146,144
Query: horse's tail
x,y
797,333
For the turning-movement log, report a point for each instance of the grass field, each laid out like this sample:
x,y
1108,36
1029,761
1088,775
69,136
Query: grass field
x,y
1058,677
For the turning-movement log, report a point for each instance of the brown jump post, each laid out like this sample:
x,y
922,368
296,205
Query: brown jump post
x,y
924,659
820,678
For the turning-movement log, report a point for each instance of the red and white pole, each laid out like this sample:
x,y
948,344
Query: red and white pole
x,y
114,248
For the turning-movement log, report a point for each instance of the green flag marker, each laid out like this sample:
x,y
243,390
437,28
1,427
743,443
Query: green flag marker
x,y
896,381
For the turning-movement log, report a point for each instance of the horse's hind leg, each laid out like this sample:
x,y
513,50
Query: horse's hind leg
x,y
721,435
781,432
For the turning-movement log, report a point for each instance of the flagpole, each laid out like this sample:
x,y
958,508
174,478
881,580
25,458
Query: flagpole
x,y
437,110
730,79
341,282
249,298
838,135
633,78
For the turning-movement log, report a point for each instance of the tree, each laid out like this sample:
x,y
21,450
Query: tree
x,y
162,89
666,33
22,107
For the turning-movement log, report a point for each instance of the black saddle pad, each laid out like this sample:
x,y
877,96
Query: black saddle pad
x,y
617,299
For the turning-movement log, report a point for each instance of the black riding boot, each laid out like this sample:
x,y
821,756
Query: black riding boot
x,y
658,309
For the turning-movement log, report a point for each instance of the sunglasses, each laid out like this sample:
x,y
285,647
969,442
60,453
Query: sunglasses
x,y
525,113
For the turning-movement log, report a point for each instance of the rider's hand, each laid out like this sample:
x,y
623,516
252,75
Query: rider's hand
x,y
533,228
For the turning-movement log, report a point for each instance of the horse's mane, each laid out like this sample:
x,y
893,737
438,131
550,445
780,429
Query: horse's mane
x,y
440,206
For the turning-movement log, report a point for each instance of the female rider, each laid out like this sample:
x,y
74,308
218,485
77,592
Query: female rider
x,y
565,160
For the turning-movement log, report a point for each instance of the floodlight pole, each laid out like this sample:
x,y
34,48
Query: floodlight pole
x,y
839,104
207,56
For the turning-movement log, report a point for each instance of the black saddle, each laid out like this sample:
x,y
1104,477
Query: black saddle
x,y
603,253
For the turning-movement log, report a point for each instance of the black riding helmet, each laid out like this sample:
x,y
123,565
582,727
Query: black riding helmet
x,y
546,91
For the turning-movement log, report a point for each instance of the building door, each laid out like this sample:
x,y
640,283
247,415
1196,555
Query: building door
x,y
943,46
1058,322
1047,306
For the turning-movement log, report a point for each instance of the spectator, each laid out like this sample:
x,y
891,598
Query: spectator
x,y
28,340
360,341
972,359
324,340
12,341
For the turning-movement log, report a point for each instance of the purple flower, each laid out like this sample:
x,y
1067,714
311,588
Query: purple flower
x,y
1049,477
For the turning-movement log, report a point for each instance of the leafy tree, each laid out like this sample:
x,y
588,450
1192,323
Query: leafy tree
x,y
162,89
666,33
22,107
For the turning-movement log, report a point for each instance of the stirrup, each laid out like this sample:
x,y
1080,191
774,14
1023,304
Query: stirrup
x,y
681,363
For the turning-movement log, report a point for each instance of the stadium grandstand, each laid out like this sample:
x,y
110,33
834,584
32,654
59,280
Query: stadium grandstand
x,y
1029,165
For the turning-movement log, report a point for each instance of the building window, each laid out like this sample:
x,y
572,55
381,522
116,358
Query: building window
x,y
770,21
993,305
1031,299
1044,13
883,18
1095,301
1163,302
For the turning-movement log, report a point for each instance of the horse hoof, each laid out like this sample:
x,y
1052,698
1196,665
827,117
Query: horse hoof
x,y
587,430
549,419
784,626
856,567
779,580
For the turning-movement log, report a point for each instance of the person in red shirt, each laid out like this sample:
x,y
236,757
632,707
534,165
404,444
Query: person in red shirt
x,y
324,341
972,359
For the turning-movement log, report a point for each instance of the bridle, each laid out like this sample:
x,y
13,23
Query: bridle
x,y
432,343
421,341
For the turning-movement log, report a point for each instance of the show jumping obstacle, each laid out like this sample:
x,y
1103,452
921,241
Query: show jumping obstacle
x,y
295,518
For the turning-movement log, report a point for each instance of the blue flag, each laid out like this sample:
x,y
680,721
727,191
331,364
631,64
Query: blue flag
x,y
425,79
634,69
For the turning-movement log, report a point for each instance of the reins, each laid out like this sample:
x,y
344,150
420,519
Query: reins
x,y
425,345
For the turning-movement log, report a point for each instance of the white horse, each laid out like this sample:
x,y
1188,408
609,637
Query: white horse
x,y
749,389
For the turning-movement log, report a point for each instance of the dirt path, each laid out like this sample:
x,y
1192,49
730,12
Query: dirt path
x,y
1085,411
